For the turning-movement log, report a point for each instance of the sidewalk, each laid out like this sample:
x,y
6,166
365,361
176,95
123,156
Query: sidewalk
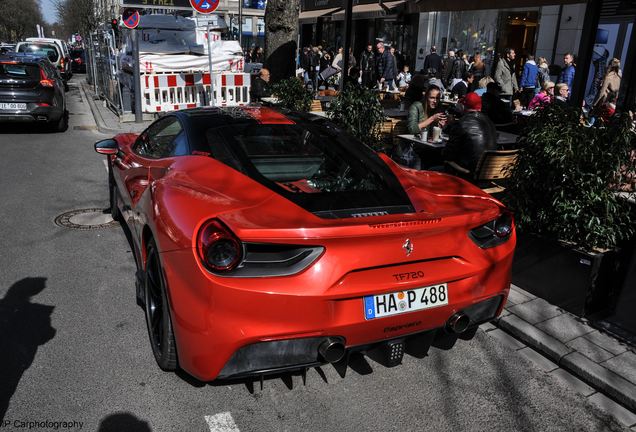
x,y
569,349
106,120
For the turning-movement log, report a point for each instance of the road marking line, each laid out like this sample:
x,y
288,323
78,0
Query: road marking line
x,y
222,422
105,164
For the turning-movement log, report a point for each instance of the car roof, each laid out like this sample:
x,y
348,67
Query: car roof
x,y
35,39
59,42
21,58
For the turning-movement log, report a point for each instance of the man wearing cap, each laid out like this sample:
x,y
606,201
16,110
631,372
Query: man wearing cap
x,y
470,136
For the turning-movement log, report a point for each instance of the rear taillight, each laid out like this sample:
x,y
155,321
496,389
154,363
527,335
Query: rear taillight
x,y
44,80
493,233
218,248
62,61
43,104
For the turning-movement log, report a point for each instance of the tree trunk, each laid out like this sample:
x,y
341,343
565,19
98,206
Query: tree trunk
x,y
281,35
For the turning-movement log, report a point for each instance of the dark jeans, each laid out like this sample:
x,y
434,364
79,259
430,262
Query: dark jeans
x,y
527,95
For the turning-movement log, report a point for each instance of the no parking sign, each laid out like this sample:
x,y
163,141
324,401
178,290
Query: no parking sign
x,y
130,18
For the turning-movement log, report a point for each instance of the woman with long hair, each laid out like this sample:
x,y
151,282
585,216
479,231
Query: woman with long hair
x,y
425,113
611,82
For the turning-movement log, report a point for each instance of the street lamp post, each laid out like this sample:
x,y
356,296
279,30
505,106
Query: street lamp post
x,y
240,23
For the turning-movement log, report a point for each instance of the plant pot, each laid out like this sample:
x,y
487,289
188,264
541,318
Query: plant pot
x,y
580,282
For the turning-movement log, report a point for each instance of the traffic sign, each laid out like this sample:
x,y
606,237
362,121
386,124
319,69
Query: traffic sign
x,y
205,6
130,18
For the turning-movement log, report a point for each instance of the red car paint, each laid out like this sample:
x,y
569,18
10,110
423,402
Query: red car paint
x,y
213,316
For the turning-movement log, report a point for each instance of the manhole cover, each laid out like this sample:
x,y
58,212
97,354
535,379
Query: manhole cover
x,y
86,219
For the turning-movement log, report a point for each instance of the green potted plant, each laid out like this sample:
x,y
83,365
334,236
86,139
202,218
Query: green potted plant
x,y
563,191
358,110
292,94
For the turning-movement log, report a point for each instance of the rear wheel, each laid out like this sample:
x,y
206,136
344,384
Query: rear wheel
x,y
62,124
114,198
158,312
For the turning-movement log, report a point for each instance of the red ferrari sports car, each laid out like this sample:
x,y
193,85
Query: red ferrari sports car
x,y
270,240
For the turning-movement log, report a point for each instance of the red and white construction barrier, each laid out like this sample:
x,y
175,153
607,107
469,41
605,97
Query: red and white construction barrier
x,y
232,89
174,91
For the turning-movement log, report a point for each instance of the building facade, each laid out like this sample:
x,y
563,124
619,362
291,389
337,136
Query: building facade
x,y
413,27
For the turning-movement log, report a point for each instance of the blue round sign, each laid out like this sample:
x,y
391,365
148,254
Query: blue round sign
x,y
130,18
204,6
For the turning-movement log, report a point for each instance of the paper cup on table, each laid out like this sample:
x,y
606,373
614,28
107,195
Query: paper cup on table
x,y
424,134
437,133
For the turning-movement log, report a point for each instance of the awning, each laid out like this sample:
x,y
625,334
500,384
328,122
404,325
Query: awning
x,y
362,11
393,4
313,15
465,5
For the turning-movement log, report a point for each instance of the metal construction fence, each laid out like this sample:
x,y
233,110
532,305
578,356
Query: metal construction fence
x,y
102,69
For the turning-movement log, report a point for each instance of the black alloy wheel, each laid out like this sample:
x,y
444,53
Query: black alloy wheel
x,y
62,124
158,312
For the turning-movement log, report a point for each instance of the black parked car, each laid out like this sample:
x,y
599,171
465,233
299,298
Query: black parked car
x,y
32,90
78,60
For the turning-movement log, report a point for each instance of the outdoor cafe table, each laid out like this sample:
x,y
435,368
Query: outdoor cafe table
x,y
504,139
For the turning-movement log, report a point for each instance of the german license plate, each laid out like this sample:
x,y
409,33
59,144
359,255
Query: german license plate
x,y
399,302
12,106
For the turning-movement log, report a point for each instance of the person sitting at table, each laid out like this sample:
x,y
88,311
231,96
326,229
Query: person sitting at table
x,y
544,97
469,136
260,87
423,114
562,93
404,78
496,109
482,85
461,88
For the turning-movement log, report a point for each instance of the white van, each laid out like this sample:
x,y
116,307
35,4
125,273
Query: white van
x,y
65,62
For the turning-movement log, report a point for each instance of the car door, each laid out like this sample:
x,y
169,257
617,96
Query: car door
x,y
146,160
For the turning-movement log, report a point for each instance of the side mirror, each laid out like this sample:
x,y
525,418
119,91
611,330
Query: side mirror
x,y
107,147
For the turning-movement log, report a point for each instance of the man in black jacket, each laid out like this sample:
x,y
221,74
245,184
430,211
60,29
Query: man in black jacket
x,y
260,87
367,66
385,67
470,136
461,88
433,64
447,68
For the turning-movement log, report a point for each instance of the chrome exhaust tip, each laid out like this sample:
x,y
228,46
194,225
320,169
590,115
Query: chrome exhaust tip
x,y
331,350
458,323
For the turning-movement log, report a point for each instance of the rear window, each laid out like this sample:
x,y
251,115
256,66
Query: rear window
x,y
19,71
317,171
41,50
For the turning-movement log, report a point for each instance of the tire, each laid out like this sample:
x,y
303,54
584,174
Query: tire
x,y
113,198
158,311
62,124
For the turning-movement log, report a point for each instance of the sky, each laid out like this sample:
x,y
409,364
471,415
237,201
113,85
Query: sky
x,y
48,11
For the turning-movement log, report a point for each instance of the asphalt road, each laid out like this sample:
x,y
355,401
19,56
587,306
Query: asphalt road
x,y
74,346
